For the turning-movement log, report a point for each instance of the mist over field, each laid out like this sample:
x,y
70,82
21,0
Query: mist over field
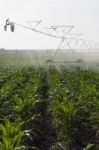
x,y
39,57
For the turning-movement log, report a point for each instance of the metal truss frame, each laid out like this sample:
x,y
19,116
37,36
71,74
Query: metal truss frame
x,y
69,41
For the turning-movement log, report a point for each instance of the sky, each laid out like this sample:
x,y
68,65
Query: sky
x,y
83,14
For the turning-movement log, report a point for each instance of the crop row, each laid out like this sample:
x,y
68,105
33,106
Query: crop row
x,y
49,109
74,104
18,100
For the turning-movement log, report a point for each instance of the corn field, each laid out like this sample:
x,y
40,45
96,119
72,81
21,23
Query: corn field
x,y
49,108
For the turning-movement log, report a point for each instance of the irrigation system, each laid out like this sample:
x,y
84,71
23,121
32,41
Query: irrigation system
x,y
69,40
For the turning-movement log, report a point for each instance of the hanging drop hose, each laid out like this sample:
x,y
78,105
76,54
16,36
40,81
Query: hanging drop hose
x,y
5,27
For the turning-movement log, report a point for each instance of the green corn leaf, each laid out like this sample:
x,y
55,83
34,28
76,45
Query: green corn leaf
x,y
7,125
89,147
20,148
5,142
3,129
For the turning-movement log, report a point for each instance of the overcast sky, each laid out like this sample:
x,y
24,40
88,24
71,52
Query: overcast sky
x,y
83,14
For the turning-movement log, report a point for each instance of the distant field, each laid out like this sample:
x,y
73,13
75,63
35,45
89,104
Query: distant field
x,y
39,57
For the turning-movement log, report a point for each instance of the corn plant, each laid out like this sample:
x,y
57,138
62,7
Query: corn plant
x,y
11,136
66,115
23,107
